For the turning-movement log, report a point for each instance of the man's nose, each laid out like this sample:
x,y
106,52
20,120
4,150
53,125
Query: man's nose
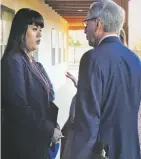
x,y
85,30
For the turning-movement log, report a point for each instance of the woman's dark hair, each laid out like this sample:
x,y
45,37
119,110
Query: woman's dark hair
x,y
23,18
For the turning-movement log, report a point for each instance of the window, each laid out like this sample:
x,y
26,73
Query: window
x,y
53,46
60,47
64,47
6,18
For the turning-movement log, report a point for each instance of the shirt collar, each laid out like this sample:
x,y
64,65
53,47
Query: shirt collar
x,y
111,35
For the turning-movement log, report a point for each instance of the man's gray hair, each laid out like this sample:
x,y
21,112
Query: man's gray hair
x,y
112,15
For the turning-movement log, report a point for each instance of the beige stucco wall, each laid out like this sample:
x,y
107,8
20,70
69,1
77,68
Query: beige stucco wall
x,y
52,20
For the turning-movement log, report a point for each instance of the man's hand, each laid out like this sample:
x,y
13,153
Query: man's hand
x,y
70,76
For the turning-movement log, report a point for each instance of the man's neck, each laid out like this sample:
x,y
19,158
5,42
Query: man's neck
x,y
105,35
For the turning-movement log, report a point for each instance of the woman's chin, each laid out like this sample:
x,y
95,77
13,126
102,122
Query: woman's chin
x,y
35,48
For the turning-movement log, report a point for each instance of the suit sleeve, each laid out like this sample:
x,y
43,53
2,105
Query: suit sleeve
x,y
15,92
88,101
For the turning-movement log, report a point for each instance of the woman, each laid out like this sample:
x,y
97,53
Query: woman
x,y
28,114
67,129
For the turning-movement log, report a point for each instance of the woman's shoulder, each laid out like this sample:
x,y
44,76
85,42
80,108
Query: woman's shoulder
x,y
16,58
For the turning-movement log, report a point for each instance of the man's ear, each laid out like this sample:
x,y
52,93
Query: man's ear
x,y
98,24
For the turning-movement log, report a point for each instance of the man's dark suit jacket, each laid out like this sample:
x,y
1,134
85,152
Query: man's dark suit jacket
x,y
108,100
27,118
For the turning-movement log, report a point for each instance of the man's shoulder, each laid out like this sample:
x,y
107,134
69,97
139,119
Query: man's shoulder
x,y
89,55
93,55
89,60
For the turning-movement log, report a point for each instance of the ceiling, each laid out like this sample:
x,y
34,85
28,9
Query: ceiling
x,y
74,11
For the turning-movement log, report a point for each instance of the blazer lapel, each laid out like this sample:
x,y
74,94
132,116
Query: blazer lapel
x,y
36,74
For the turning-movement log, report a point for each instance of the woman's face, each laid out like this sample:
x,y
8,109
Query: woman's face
x,y
33,36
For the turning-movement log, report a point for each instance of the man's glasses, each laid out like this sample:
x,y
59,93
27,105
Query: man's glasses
x,y
85,22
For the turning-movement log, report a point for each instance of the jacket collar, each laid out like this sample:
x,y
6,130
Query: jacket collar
x,y
110,39
111,35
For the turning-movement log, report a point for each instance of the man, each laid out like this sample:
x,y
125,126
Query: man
x,y
109,90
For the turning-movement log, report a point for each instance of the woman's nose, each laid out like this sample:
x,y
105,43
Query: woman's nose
x,y
39,34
